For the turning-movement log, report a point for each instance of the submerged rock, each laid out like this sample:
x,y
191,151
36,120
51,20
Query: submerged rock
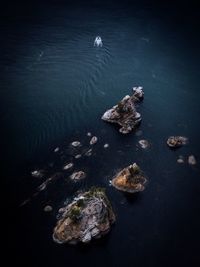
x,y
68,166
76,143
177,141
76,176
131,179
106,146
93,140
88,216
48,208
89,153
144,143
192,160
37,173
78,156
180,159
124,114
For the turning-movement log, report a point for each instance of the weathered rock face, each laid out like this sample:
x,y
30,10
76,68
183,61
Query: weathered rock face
x,y
90,215
131,179
124,113
176,141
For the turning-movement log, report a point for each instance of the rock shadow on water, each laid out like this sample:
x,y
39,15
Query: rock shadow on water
x,y
132,198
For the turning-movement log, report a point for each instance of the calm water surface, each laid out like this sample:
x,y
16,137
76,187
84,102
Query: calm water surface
x,y
54,89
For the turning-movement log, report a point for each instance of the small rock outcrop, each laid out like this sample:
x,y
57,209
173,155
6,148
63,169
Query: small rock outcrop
x,y
138,92
76,176
93,140
37,173
68,166
176,141
144,144
124,113
76,143
88,216
180,159
48,208
131,179
192,160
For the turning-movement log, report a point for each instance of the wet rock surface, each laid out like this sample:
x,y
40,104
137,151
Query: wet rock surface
x,y
93,140
88,216
131,179
124,113
76,176
68,166
192,160
76,143
144,144
177,141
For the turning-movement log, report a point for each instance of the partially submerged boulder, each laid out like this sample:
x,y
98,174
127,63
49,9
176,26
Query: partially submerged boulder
x,y
131,179
192,160
124,113
176,141
76,176
68,166
138,92
93,140
88,216
144,143
76,143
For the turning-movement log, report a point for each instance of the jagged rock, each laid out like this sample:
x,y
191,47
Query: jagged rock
x,y
144,143
192,160
76,176
124,114
93,140
48,208
68,166
106,146
56,149
76,143
177,141
138,92
131,179
88,216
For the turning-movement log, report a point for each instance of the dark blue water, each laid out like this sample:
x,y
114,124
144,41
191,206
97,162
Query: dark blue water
x,y
55,87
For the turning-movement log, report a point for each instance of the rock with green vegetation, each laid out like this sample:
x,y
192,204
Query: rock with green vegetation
x,y
124,114
131,179
88,216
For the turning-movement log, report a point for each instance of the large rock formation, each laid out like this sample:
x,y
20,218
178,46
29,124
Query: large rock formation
x,y
90,215
124,113
131,179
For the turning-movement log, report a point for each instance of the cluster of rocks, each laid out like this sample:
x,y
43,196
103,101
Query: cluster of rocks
x,y
190,160
124,113
88,216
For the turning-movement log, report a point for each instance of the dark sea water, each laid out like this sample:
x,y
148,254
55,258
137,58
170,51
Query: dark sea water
x,y
55,86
